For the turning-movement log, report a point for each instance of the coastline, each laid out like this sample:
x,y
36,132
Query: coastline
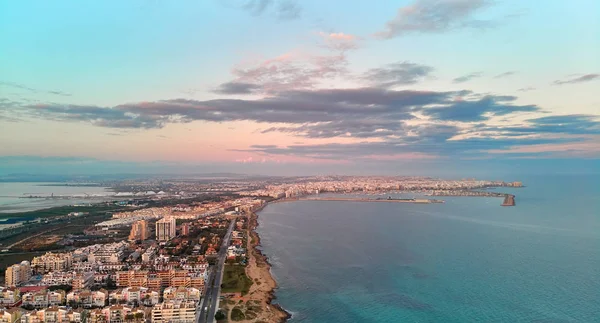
x,y
264,285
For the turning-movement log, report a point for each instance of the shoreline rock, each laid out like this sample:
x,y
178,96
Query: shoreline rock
x,y
280,315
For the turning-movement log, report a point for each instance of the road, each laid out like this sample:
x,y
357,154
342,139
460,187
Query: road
x,y
212,290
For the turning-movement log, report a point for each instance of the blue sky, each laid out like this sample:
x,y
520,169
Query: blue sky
x,y
306,86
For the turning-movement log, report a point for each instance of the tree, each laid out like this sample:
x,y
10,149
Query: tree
x,y
129,317
110,284
220,315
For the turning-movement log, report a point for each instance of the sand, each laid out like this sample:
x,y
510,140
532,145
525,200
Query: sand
x,y
257,303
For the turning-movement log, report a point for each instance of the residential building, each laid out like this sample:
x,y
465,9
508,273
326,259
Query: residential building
x,y
52,262
185,229
96,316
44,298
87,298
75,315
134,278
139,231
174,311
17,274
48,315
106,253
10,315
132,295
165,229
116,314
83,280
54,278
182,294
9,297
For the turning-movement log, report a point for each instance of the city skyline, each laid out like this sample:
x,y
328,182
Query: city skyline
x,y
299,87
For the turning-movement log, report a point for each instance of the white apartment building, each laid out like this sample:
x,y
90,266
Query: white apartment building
x,y
141,295
58,278
44,298
174,311
182,294
165,229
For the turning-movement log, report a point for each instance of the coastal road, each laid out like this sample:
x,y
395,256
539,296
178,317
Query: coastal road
x,y
209,304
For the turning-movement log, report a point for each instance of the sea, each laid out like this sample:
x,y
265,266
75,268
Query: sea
x,y
467,260
12,195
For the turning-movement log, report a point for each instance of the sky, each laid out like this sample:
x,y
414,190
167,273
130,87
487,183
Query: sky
x,y
290,87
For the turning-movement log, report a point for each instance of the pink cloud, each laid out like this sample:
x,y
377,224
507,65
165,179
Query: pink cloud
x,y
401,156
339,41
291,71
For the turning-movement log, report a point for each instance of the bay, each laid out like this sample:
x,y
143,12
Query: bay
x,y
468,260
12,193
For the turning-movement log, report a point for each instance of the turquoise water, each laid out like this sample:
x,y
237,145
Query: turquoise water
x,y
468,260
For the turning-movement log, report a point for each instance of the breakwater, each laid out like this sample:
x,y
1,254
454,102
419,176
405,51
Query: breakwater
x,y
361,199
509,200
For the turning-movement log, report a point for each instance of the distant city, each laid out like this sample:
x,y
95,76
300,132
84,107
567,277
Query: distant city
x,y
171,250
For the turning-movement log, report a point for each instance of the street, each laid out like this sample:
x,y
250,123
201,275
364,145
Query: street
x,y
209,304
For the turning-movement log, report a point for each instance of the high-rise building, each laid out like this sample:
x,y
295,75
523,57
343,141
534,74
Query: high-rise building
x,y
139,231
185,229
17,274
165,229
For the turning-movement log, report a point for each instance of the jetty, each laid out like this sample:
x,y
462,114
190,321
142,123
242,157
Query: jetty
x,y
362,199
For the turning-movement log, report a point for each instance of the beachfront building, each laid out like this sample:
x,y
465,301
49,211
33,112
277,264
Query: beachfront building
x,y
174,311
165,229
52,262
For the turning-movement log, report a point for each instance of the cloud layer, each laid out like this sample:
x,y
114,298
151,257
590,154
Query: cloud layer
x,y
434,16
580,79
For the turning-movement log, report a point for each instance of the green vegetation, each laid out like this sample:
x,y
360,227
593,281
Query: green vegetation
x,y
237,314
219,316
235,280
64,210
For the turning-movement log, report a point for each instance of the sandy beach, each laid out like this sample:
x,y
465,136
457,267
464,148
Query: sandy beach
x,y
257,303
